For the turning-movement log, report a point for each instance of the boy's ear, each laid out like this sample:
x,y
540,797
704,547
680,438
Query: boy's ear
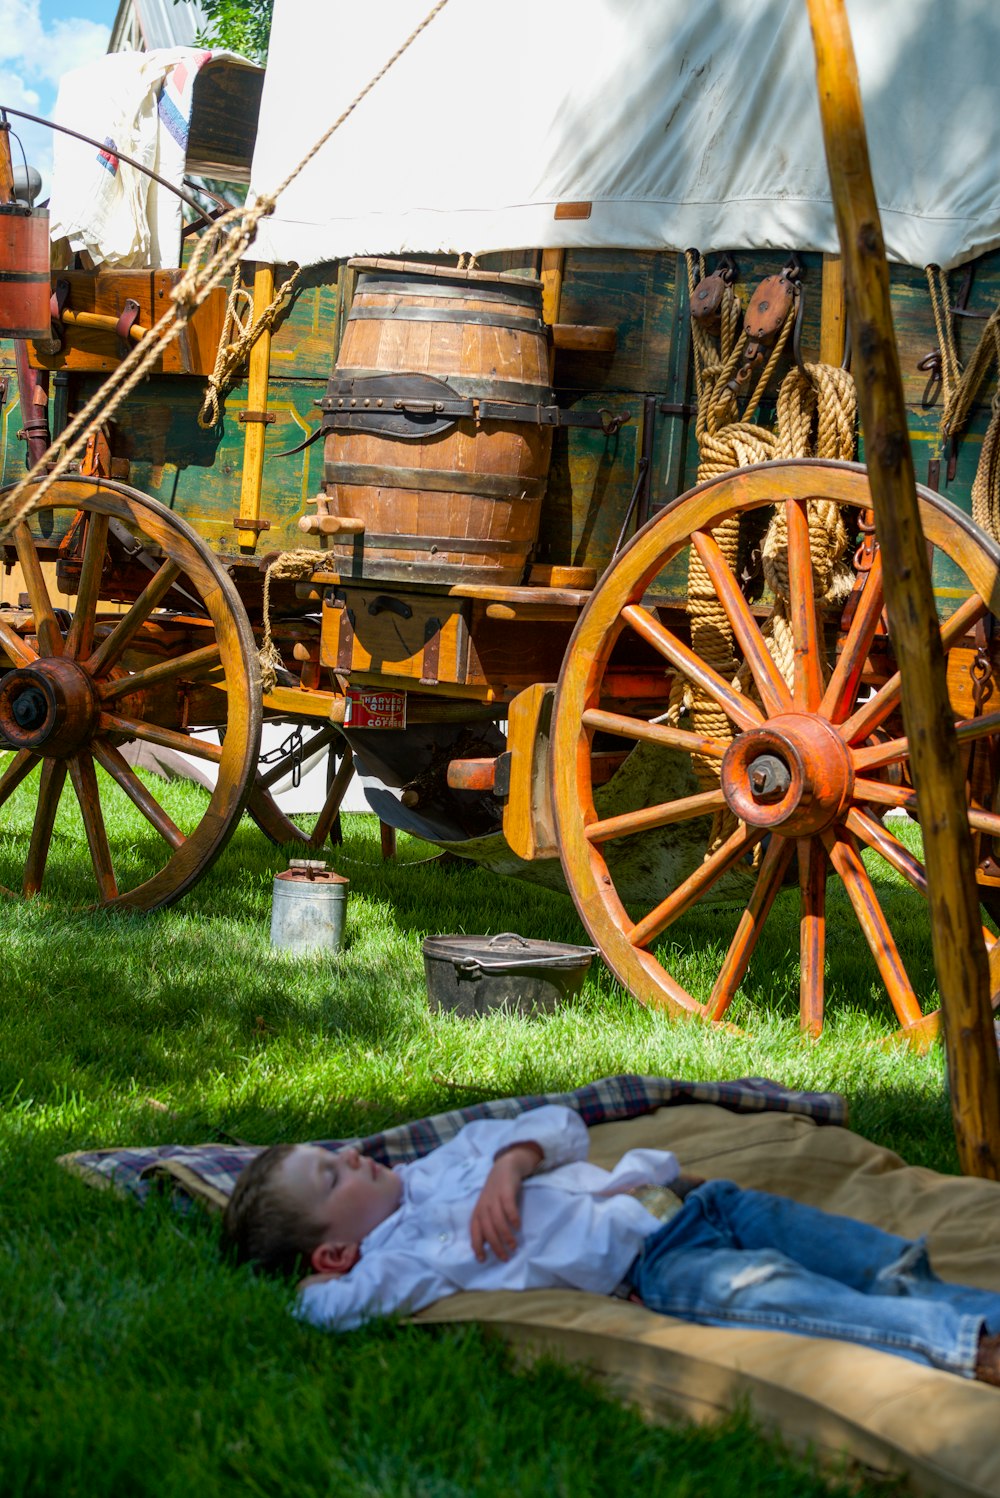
x,y
334,1258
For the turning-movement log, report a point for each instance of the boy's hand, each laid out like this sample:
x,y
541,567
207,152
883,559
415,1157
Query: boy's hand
x,y
495,1217
685,1183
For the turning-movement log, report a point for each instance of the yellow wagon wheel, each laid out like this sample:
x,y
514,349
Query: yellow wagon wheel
x,y
156,651
810,769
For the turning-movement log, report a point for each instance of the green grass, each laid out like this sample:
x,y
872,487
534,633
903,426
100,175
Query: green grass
x,y
133,1362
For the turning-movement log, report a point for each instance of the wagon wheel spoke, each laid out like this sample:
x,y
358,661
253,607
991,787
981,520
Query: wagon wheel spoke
x,y
842,688
120,770
895,853
167,738
742,711
662,734
751,923
331,806
847,863
694,887
50,787
47,629
876,756
18,649
807,688
812,934
20,766
899,857
116,643
323,736
877,793
875,711
84,778
80,640
685,809
192,665
767,678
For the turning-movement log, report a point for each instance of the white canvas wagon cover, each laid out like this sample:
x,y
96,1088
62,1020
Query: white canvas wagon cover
x,y
679,122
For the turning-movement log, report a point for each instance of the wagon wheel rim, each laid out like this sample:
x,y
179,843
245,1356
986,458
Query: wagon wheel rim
x,y
825,810
78,693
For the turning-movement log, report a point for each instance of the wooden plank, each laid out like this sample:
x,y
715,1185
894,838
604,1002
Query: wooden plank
x,y
833,316
103,294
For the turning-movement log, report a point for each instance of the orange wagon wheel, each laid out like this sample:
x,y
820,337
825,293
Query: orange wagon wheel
x,y
809,772
156,652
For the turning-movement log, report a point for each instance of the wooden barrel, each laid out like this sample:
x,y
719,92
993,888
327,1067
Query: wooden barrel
x,y
24,274
447,488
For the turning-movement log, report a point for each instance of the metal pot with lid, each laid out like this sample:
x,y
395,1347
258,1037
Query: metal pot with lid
x,y
470,975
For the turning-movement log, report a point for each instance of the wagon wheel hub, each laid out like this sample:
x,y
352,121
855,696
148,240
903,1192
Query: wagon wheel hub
x,y
48,706
792,776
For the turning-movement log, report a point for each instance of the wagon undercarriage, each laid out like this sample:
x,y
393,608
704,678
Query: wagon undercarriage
x,y
598,782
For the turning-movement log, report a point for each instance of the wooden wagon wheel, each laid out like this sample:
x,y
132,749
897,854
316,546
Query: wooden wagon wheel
x,y
84,685
805,775
268,815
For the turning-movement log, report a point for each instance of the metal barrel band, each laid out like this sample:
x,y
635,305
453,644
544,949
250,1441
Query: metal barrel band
x,y
434,480
447,315
379,541
486,291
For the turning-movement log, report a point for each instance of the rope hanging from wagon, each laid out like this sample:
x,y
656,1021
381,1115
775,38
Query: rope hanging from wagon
x,y
214,259
241,327
288,564
959,389
816,415
724,443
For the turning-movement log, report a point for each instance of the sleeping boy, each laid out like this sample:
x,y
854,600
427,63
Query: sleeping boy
x,y
513,1204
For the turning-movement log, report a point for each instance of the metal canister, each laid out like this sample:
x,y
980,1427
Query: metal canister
x,y
308,908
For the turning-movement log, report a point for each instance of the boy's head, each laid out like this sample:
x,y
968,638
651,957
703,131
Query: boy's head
x,y
299,1205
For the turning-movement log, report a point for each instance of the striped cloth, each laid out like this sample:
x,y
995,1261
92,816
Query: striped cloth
x,y
207,1172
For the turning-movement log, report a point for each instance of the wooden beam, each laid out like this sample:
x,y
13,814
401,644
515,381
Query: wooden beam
x,y
833,312
959,953
253,441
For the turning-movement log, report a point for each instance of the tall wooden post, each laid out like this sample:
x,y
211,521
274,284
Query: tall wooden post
x,y
256,426
959,956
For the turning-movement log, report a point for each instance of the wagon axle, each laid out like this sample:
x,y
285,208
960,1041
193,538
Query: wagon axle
x,y
50,706
793,776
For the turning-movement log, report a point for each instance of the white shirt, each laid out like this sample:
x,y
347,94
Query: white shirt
x,y
577,1230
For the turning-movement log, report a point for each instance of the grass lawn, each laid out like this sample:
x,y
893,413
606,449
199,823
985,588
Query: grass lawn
x,y
132,1361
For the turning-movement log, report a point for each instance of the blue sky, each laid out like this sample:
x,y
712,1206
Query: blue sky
x,y
39,41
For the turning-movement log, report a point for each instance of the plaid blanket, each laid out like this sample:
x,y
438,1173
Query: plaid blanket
x,y
207,1172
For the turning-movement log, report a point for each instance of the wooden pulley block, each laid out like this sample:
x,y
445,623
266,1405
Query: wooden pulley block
x,y
706,301
770,305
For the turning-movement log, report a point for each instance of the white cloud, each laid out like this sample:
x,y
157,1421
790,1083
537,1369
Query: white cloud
x,y
33,57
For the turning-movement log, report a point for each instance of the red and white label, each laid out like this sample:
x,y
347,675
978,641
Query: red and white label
x,y
374,709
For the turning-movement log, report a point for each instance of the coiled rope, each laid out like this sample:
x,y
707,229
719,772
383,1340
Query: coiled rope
x,y
816,414
959,389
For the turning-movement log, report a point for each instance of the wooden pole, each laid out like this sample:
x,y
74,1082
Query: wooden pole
x,y
253,440
959,955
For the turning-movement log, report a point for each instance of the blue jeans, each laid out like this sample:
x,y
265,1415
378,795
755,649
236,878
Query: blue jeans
x,y
744,1258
